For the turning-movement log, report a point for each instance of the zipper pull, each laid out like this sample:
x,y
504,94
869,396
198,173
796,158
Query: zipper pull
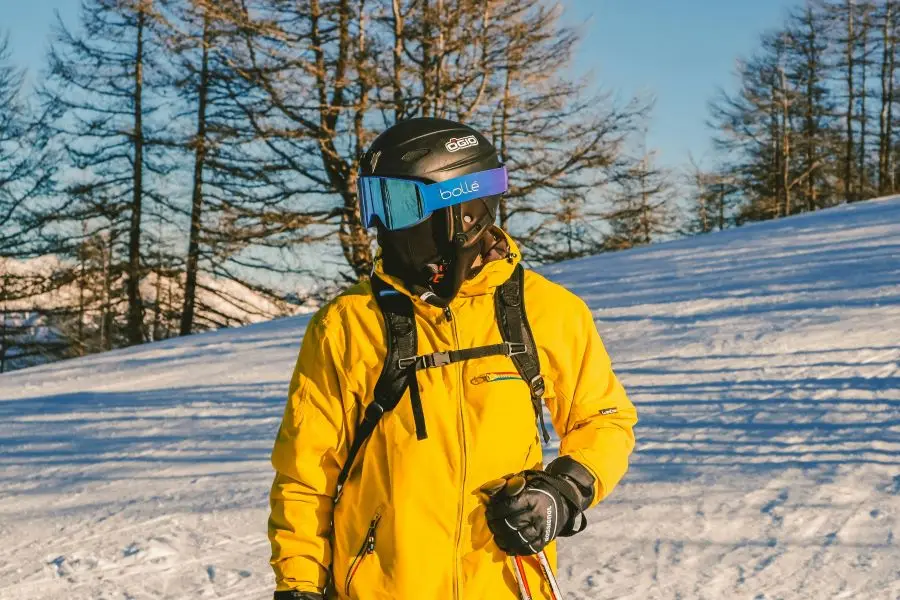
x,y
486,378
447,314
370,535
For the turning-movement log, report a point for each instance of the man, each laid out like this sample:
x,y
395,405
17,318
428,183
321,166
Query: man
x,y
409,463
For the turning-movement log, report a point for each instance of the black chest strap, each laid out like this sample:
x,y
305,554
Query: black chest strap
x,y
442,359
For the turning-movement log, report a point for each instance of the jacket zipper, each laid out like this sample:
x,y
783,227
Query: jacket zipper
x,y
501,376
367,548
457,593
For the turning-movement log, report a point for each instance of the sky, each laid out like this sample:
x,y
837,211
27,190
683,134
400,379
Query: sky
x,y
678,51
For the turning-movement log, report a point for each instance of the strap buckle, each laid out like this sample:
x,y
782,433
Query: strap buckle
x,y
425,361
405,363
537,386
515,349
437,359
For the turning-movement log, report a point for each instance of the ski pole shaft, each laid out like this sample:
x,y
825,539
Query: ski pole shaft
x,y
548,573
519,570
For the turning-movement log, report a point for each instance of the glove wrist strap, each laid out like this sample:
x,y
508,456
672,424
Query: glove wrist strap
x,y
576,485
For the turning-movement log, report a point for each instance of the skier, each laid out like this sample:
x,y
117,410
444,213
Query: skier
x,y
409,459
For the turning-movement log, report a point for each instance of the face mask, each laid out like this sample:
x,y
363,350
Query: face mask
x,y
435,257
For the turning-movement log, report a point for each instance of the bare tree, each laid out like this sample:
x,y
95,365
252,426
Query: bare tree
x,y
864,60
641,204
27,169
755,131
27,164
333,73
808,33
96,83
853,55
713,195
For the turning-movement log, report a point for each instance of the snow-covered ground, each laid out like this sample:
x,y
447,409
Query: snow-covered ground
x,y
764,361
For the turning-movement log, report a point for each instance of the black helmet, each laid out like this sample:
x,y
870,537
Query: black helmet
x,y
434,256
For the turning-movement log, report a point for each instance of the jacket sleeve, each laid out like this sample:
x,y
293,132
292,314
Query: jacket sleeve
x,y
309,450
592,412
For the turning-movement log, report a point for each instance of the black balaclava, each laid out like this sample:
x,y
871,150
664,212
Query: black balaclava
x,y
434,257
431,263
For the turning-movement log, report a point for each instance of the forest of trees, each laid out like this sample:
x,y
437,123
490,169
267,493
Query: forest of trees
x,y
812,123
182,165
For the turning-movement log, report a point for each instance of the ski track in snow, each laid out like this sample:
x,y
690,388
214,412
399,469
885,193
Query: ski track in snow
x,y
764,361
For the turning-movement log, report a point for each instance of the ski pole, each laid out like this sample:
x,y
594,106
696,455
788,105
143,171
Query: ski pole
x,y
513,487
519,570
551,578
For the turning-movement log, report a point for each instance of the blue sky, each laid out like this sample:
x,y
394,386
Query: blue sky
x,y
680,51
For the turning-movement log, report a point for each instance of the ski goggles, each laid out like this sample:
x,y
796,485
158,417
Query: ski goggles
x,y
401,203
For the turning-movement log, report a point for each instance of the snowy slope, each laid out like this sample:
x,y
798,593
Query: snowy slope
x,y
765,363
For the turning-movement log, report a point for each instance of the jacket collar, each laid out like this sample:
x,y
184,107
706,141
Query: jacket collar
x,y
491,276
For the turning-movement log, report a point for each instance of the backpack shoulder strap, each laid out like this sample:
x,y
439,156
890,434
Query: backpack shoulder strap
x,y
396,373
509,304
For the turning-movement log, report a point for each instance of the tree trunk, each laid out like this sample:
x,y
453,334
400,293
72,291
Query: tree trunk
x,y
777,155
812,127
425,67
82,277
785,144
848,158
106,320
135,310
193,257
721,209
438,107
889,133
157,305
504,125
351,233
863,113
3,292
399,105
882,114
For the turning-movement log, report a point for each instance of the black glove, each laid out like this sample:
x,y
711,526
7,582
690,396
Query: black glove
x,y
295,595
527,510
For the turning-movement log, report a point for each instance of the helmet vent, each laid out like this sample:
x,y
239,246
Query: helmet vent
x,y
414,155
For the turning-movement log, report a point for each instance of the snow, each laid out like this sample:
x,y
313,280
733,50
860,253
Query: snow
x,y
764,361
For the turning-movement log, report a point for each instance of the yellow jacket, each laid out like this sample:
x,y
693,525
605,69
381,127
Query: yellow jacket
x,y
409,524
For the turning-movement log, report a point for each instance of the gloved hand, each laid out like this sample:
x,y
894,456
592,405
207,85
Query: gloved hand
x,y
526,511
295,595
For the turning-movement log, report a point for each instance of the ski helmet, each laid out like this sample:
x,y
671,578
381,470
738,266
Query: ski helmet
x,y
432,189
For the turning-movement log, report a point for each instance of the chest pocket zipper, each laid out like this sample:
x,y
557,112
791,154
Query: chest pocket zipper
x,y
367,548
501,376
